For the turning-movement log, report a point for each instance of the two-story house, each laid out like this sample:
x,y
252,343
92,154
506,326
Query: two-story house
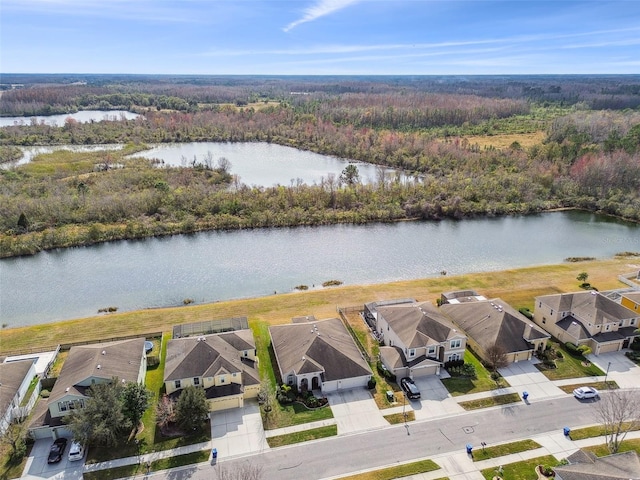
x,y
87,365
587,318
417,339
494,323
224,364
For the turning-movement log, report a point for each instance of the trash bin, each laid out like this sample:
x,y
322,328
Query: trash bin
x,y
469,448
214,453
525,395
566,431
390,396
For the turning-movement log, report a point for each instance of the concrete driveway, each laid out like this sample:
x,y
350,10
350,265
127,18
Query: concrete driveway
x,y
621,369
525,377
238,431
435,400
355,410
38,468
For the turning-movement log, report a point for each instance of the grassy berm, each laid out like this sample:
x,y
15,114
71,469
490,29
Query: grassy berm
x,y
517,287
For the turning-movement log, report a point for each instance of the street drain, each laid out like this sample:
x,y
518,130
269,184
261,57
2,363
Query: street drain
x,y
467,429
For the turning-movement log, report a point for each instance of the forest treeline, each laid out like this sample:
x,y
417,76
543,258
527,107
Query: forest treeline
x,y
588,159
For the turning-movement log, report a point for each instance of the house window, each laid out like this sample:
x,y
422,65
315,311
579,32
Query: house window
x,y
633,321
432,350
234,374
608,326
177,384
453,356
221,378
544,319
62,406
290,380
245,353
196,381
551,311
456,343
412,352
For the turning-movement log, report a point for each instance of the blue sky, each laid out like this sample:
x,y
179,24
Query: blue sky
x,y
318,37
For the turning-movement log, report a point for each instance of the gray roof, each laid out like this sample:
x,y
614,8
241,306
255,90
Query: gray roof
x,y
589,306
12,375
633,296
419,324
211,355
323,346
494,322
121,359
584,466
394,357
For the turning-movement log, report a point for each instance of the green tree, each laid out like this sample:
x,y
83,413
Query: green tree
x,y
191,409
23,222
135,401
582,277
350,175
101,420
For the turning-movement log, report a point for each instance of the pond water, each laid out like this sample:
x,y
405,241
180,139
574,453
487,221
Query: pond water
x,y
213,266
263,164
82,116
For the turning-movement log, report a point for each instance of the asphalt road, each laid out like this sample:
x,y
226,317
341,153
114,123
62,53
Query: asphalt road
x,y
350,453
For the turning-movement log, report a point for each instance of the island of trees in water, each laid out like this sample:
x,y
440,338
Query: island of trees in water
x,y
470,146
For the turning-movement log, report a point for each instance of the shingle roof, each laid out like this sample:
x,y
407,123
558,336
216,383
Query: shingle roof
x,y
588,306
209,356
418,324
323,346
121,359
494,322
620,466
633,296
12,375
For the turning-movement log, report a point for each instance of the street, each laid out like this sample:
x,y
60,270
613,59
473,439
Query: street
x,y
397,444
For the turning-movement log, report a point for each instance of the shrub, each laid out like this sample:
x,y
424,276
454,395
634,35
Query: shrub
x,y
301,287
526,312
635,345
45,393
572,349
153,361
468,370
584,349
371,384
495,376
453,364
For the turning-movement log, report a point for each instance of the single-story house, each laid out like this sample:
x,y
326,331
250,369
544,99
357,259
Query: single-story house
x,y
318,355
418,339
87,365
15,378
489,323
585,465
587,318
224,364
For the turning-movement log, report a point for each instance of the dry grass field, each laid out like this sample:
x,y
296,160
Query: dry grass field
x,y
517,287
505,140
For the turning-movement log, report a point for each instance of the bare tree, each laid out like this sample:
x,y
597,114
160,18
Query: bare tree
x,y
619,413
246,471
497,357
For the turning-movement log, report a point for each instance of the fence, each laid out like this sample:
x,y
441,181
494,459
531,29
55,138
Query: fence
x,y
343,311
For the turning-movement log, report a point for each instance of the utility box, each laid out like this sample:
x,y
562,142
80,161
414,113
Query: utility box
x,y
390,396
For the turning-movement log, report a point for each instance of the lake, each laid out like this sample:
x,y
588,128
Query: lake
x,y
212,266
82,116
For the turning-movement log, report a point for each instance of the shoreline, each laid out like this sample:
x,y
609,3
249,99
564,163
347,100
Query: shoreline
x,y
518,287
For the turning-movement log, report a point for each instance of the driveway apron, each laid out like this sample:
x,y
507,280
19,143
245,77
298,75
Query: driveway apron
x,y
355,410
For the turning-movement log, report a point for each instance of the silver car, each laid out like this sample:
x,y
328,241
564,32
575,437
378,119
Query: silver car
x,y
76,452
585,392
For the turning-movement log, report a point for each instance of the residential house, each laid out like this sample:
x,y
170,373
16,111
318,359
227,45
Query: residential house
x,y
585,465
460,296
587,318
489,323
318,355
371,309
87,365
417,339
15,378
224,364
631,300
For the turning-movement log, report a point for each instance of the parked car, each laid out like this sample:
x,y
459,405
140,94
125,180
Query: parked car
x,y
76,451
410,388
585,392
57,450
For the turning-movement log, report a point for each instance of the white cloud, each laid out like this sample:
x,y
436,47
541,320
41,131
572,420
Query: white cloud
x,y
320,9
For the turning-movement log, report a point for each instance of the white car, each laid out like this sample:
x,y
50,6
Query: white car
x,y
76,452
585,392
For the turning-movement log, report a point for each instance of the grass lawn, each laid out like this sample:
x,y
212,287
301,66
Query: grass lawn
x,y
601,386
518,287
625,446
400,471
294,414
464,385
396,418
569,366
524,470
303,436
504,449
162,464
595,431
490,401
11,468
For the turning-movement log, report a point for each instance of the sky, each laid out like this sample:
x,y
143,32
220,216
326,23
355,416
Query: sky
x,y
320,37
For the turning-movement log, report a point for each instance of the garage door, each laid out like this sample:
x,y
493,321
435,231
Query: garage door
x,y
224,403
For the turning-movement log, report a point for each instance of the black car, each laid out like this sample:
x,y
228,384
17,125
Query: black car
x,y
410,388
57,450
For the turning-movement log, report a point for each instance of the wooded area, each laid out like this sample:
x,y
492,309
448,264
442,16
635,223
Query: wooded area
x,y
589,158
